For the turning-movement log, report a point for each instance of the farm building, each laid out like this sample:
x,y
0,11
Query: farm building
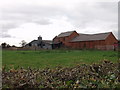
x,y
40,44
72,39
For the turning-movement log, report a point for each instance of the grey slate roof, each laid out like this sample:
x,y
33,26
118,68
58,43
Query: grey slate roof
x,y
90,37
47,41
34,41
64,34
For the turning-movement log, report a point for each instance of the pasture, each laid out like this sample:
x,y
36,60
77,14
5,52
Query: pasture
x,y
53,58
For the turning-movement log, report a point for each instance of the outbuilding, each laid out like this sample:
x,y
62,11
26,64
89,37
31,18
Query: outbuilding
x,y
72,39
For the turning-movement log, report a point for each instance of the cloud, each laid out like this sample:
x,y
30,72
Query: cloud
x,y
15,16
78,14
87,13
6,26
42,21
57,16
4,35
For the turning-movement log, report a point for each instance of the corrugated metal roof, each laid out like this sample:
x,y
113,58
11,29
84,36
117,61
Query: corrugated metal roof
x,y
91,37
64,34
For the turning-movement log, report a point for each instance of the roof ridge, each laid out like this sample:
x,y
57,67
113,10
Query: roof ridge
x,y
67,31
63,34
83,34
101,33
96,33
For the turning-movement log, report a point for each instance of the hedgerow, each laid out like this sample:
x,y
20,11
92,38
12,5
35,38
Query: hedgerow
x,y
104,75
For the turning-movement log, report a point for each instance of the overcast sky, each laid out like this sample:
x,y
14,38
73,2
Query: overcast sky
x,y
27,19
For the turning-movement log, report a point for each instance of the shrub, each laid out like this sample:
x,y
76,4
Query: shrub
x,y
104,75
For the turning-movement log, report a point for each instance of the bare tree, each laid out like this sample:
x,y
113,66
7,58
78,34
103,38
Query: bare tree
x,y
23,43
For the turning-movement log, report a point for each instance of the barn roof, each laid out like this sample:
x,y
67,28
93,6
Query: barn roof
x,y
64,34
47,41
91,37
34,41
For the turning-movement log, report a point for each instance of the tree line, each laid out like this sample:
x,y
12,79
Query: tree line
x,y
6,45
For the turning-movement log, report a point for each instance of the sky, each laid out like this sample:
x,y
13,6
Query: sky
x,y
28,19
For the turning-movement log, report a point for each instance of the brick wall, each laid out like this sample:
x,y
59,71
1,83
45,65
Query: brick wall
x,y
65,40
107,44
110,40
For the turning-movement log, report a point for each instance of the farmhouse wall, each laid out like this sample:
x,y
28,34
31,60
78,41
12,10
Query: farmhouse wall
x,y
92,45
65,40
47,46
87,44
110,40
69,38
100,44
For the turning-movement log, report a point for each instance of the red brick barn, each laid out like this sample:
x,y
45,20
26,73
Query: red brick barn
x,y
103,41
65,38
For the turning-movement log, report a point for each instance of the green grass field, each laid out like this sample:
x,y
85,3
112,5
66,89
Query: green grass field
x,y
53,58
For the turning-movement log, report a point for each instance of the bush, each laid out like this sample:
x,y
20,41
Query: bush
x,y
104,75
